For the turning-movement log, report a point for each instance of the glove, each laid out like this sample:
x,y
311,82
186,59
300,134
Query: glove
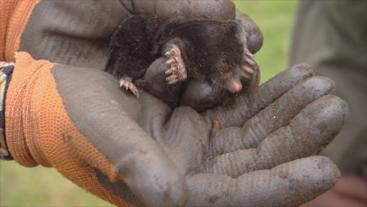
x,y
256,152
138,151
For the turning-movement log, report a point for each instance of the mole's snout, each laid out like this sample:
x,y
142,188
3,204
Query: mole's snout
x,y
234,86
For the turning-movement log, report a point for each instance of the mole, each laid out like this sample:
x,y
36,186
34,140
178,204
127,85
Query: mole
x,y
189,50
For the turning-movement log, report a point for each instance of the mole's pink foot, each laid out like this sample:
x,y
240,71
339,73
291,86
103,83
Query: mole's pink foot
x,y
249,65
176,71
129,86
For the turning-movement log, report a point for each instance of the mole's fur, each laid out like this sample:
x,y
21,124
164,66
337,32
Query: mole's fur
x,y
196,49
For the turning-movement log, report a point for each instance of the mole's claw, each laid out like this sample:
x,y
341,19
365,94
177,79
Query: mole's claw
x,y
248,53
169,71
251,62
173,82
135,91
177,71
246,75
248,69
247,72
129,86
184,76
171,78
170,61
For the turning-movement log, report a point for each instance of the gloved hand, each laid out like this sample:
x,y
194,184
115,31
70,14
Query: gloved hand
x,y
168,158
256,152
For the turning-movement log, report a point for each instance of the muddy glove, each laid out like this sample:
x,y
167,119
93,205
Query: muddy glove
x,y
256,152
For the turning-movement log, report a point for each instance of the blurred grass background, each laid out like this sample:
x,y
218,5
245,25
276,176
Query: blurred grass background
x,y
45,187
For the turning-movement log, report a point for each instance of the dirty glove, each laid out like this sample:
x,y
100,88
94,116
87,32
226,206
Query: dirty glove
x,y
256,152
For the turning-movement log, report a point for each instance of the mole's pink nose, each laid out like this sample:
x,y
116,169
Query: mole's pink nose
x,y
234,86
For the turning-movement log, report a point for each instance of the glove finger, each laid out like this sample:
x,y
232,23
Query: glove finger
x,y
72,38
247,105
220,9
276,115
307,134
289,184
254,34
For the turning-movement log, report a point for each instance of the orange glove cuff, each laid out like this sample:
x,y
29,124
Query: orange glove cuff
x,y
40,132
14,16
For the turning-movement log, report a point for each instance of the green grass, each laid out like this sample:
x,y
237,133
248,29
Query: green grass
x,y
40,187
44,187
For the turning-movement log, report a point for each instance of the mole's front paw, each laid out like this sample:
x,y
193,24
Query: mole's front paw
x,y
129,86
176,70
249,66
